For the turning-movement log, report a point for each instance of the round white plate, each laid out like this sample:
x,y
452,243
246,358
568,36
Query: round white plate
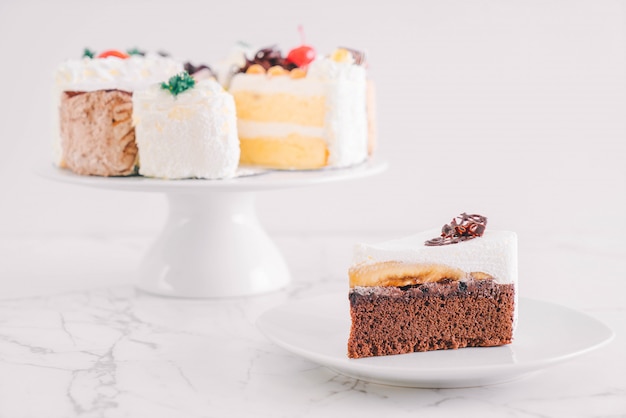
x,y
317,329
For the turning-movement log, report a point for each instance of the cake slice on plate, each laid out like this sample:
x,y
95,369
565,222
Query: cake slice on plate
x,y
434,290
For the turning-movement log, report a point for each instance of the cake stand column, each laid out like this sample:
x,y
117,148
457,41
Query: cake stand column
x,y
212,245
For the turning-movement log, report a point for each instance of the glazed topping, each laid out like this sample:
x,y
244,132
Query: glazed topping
x,y
267,58
298,58
297,73
342,55
255,69
461,228
179,83
277,70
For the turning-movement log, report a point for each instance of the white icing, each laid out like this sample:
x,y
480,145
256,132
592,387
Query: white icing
x,y
193,134
235,60
495,253
343,85
130,74
328,69
346,118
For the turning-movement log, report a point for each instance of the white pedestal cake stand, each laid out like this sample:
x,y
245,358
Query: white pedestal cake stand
x,y
212,245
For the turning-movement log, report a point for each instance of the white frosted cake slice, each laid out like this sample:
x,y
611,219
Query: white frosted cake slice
x,y
434,290
191,133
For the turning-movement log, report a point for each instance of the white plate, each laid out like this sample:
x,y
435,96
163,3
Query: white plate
x,y
317,329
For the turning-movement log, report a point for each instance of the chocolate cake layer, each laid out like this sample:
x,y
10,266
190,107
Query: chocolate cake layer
x,y
97,136
431,316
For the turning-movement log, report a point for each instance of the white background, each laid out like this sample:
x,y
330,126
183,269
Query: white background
x,y
513,109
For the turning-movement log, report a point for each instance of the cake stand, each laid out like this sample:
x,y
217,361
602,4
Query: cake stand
x,y
212,244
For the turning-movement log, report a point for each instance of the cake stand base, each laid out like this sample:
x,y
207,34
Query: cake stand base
x,y
212,246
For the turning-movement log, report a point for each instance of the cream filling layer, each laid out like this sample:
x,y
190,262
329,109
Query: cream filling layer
x,y
248,129
495,253
396,273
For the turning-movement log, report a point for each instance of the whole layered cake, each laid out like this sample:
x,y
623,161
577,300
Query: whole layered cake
x,y
301,111
186,129
95,134
434,290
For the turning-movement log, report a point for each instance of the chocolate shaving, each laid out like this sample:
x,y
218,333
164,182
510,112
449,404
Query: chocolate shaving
x,y
192,69
267,58
462,228
359,56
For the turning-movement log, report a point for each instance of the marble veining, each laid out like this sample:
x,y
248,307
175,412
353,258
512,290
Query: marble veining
x,y
110,351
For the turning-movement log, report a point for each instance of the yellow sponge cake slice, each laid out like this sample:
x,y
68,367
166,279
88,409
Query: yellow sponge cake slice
x,y
302,118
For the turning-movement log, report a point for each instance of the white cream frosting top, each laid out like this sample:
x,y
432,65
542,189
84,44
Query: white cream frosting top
x,y
495,253
320,72
328,69
235,59
205,91
130,74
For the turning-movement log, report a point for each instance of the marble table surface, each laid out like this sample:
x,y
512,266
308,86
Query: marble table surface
x,y
78,340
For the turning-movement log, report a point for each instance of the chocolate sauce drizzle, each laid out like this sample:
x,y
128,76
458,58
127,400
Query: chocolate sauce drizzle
x,y
461,228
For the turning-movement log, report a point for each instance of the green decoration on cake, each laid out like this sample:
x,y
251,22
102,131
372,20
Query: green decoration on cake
x,y
88,53
179,83
135,51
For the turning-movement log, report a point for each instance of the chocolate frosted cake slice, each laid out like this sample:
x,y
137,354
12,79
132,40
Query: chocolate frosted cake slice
x,y
421,293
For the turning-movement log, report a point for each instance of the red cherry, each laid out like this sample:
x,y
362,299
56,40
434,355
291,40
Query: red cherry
x,y
113,53
301,56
